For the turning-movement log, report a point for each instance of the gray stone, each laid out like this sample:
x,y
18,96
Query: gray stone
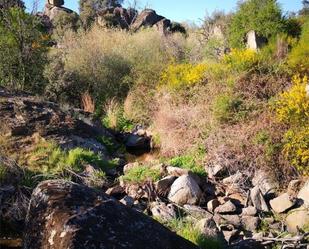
x,y
185,190
196,211
64,215
163,186
227,220
207,227
263,180
254,41
233,179
229,236
249,211
226,208
282,203
163,212
258,200
175,171
297,218
215,170
304,194
116,190
57,3
250,223
212,205
127,200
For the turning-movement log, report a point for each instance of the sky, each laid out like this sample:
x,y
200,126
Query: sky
x,y
183,10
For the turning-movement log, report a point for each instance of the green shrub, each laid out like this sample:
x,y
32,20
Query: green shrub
x,y
22,50
229,109
262,16
298,59
141,174
188,162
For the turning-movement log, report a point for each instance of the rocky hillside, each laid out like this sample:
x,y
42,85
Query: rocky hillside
x,y
232,210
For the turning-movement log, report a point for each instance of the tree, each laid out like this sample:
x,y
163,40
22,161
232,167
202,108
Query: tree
x,y
22,50
89,9
6,4
305,10
262,16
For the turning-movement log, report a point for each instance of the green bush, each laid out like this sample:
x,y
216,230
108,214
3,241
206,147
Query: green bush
x,y
141,174
262,16
298,59
188,162
229,109
22,50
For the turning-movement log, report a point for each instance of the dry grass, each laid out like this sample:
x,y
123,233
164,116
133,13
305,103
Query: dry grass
x,y
88,103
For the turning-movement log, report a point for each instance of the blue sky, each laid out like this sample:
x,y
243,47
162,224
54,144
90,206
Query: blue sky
x,y
184,10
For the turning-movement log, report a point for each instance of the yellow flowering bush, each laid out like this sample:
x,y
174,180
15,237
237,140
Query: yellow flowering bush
x,y
293,105
241,59
296,149
177,76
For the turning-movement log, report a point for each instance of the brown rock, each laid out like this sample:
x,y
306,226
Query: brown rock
x,y
64,215
282,203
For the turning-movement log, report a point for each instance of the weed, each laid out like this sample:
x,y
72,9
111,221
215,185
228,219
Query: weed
x,y
141,174
189,162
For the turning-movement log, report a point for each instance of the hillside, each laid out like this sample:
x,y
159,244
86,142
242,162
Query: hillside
x,y
123,129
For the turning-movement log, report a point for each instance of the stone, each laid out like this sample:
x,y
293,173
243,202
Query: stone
x,y
65,215
229,236
249,211
147,18
294,187
185,190
163,212
297,218
233,179
207,227
212,205
116,190
304,194
282,203
127,201
227,220
258,200
215,170
175,171
226,208
196,211
57,3
138,145
129,166
254,41
250,223
163,186
266,184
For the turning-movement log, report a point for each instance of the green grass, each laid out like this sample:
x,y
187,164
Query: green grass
x,y
189,162
186,229
141,174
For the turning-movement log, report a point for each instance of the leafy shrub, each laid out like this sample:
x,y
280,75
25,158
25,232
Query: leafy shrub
x,y
178,76
141,174
241,59
262,16
296,149
292,106
22,50
298,59
229,109
188,162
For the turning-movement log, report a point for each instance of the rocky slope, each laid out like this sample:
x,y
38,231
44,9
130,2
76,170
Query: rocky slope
x,y
239,211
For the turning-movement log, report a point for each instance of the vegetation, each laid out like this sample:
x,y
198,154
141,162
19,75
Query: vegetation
x,y
141,174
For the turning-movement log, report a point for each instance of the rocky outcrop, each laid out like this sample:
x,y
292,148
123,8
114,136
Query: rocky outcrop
x,y
64,215
23,115
54,8
147,18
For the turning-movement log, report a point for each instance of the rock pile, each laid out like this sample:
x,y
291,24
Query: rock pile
x,y
54,8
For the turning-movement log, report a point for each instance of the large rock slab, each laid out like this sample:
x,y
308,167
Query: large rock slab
x,y
258,200
282,203
64,215
297,218
185,190
147,18
304,194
